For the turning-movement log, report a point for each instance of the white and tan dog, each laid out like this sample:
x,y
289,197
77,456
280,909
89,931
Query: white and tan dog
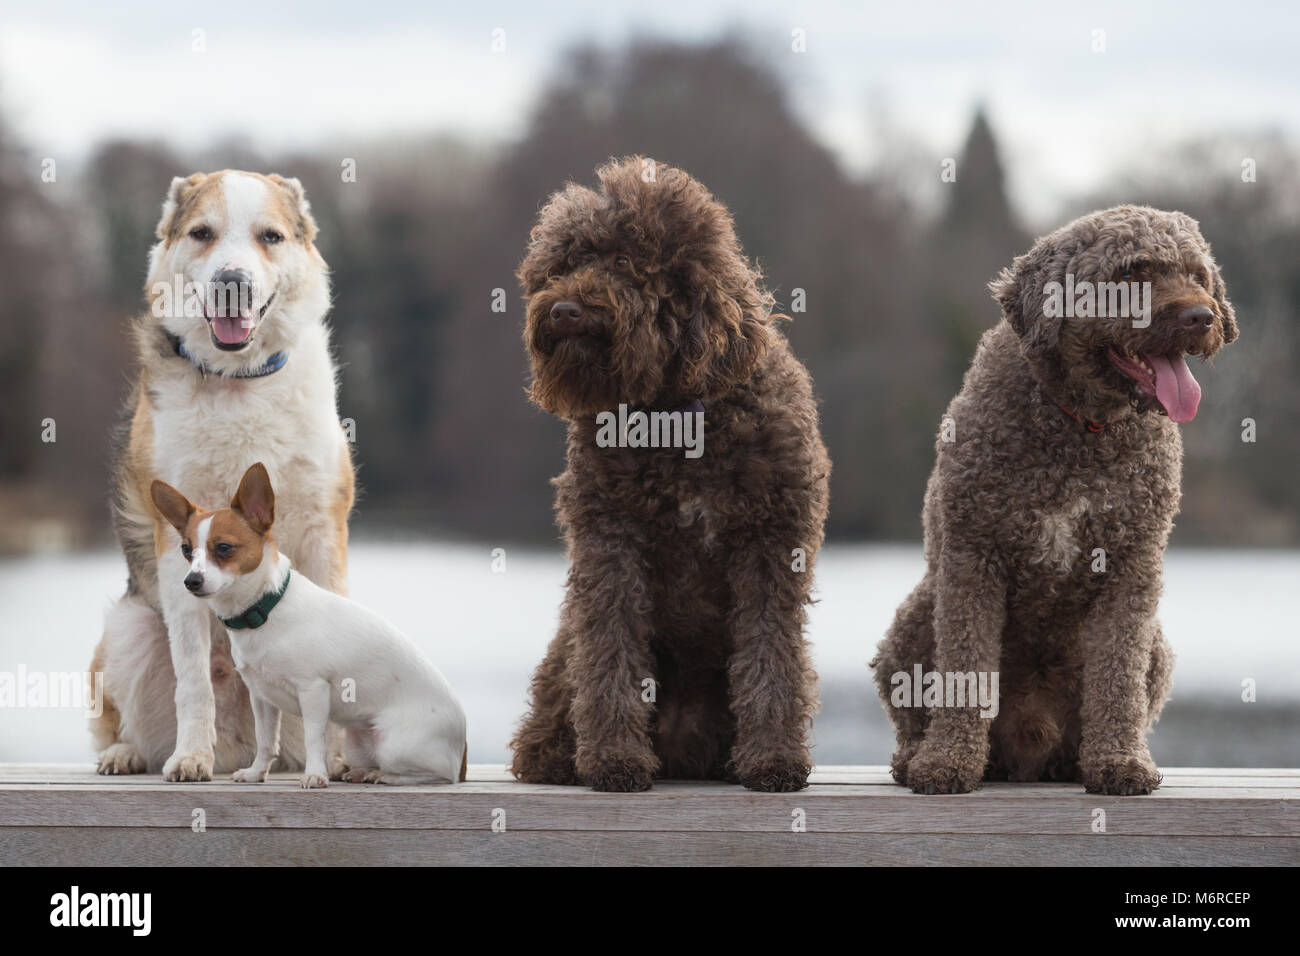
x,y
235,367
310,652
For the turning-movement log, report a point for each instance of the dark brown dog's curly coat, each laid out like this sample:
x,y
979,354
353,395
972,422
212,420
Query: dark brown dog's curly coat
x,y
684,572
1063,445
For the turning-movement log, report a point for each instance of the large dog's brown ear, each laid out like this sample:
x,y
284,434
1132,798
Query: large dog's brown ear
x,y
299,208
725,339
180,189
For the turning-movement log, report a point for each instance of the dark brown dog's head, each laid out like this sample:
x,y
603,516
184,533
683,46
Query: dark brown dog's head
x,y
1109,308
638,293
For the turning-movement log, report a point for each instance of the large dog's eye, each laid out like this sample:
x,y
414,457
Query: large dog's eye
x,y
224,549
271,237
622,261
186,551
201,234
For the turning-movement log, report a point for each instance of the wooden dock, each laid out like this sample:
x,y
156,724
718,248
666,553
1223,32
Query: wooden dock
x,y
65,814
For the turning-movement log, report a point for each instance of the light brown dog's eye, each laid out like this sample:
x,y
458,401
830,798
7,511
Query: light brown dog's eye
x,y
271,237
201,234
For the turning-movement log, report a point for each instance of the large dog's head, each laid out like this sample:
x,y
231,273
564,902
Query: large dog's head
x,y
235,274
1109,308
638,293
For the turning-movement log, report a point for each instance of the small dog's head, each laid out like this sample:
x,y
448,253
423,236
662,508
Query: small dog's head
x,y
221,546
235,268
1109,307
638,293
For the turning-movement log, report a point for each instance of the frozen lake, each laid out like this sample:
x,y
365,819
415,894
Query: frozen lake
x,y
1230,615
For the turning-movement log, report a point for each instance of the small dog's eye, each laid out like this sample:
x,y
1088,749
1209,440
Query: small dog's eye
x,y
201,234
271,237
186,551
622,262
225,549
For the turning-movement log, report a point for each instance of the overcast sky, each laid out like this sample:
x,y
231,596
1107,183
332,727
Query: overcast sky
x,y
299,75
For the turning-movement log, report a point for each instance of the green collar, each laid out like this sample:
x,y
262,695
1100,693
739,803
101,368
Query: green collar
x,y
258,614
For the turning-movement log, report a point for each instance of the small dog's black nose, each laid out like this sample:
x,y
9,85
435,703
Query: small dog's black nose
x,y
193,581
1195,315
568,312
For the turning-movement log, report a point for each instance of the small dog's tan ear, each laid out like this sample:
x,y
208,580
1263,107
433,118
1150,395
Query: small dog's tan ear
x,y
175,508
255,500
304,221
176,194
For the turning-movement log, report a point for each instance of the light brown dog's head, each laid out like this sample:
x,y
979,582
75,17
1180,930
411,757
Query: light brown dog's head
x,y
1109,308
638,293
224,545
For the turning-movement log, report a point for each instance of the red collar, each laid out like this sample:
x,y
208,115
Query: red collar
x,y
1093,427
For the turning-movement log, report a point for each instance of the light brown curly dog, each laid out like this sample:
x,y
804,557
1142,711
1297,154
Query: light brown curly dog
x,y
1047,514
680,651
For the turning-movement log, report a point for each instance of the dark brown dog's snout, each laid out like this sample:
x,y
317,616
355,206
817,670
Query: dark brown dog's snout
x,y
1196,318
566,313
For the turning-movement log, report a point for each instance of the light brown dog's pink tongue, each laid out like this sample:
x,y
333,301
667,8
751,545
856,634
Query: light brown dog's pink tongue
x,y
1177,390
231,330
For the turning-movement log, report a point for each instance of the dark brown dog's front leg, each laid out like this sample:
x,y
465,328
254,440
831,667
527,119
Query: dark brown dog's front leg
x,y
773,684
1118,641
969,614
607,611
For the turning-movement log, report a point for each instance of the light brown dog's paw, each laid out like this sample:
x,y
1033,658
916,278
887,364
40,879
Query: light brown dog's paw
x,y
188,768
930,773
249,775
336,766
355,775
774,777
312,781
120,758
620,777
1120,774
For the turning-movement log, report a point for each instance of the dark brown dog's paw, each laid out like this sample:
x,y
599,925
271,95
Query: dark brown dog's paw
x,y
898,763
774,777
554,769
620,777
930,772
1120,774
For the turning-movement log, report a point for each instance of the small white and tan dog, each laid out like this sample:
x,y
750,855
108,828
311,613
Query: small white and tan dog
x,y
308,651
234,366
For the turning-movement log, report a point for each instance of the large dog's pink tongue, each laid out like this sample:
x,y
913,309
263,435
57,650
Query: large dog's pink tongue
x,y
1177,390
231,330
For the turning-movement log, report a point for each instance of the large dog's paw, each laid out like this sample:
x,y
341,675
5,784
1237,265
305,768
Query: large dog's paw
x,y
1122,774
774,776
181,768
121,758
620,776
313,781
249,775
335,765
934,771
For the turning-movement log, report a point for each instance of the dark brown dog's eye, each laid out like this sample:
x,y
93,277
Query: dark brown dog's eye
x,y
201,234
622,262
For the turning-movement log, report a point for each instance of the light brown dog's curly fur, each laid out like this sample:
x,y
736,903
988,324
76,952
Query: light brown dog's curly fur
x,y
1020,500
683,571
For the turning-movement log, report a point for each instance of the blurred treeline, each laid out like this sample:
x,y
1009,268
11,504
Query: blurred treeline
x,y
447,444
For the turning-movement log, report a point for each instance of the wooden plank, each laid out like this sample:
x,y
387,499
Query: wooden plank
x,y
140,846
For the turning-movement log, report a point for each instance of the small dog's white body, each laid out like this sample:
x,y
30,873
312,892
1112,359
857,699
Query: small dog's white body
x,y
328,659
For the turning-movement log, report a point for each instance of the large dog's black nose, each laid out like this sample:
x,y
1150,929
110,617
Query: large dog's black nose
x,y
193,581
231,292
1196,315
566,313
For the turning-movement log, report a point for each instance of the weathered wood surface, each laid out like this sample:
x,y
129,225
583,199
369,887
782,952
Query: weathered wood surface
x,y
65,814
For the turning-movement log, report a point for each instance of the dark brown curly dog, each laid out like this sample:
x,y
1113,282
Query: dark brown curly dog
x,y
1047,514
680,650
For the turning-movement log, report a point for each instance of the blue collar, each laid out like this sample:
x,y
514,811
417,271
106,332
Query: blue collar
x,y
269,367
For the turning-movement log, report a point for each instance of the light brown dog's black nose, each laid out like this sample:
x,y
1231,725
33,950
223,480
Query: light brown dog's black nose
x,y
1196,315
566,313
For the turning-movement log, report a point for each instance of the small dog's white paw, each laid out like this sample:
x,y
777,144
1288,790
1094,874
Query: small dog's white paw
x,y
188,767
249,775
120,758
312,781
